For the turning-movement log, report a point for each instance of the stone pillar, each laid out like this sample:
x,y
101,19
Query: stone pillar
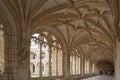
x,y
117,62
95,68
83,66
90,67
23,60
67,64
36,68
14,58
11,58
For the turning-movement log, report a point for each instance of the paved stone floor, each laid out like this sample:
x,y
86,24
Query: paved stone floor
x,y
100,78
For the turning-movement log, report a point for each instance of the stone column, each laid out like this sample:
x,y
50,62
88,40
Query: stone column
x,y
90,67
23,60
36,67
95,68
11,57
66,62
14,58
83,66
117,62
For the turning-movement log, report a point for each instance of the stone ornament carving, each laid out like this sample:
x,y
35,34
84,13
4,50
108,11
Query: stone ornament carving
x,y
23,53
23,56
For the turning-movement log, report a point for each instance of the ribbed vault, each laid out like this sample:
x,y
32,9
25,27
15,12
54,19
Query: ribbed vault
x,y
86,24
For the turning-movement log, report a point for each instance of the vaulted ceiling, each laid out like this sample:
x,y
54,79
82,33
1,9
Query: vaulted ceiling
x,y
88,25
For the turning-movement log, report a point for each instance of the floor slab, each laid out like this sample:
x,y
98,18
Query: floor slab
x,y
100,78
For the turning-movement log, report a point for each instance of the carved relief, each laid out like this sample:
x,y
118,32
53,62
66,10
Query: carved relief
x,y
23,54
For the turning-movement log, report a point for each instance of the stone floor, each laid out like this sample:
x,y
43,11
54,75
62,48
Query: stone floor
x,y
100,78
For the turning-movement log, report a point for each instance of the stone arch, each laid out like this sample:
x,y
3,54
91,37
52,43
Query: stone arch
x,y
57,34
10,41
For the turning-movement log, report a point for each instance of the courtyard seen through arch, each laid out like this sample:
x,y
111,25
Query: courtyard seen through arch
x,y
45,55
75,62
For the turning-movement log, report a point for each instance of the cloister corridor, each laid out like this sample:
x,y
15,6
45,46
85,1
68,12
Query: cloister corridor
x,y
59,39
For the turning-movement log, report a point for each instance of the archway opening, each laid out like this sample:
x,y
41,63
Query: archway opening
x,y
48,53
105,68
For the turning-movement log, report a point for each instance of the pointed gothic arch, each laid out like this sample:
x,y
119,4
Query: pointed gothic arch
x,y
10,44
